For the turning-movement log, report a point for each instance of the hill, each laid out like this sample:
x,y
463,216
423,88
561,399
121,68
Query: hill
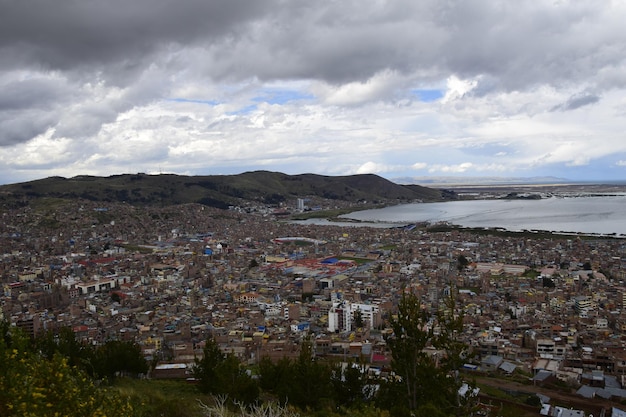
x,y
216,190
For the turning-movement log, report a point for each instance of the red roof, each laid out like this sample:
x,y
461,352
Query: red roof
x,y
377,357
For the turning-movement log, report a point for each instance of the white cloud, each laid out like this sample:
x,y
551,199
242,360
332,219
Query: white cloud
x,y
378,168
530,88
460,168
457,88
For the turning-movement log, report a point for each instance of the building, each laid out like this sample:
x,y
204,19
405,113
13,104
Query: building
x,y
96,286
340,317
370,314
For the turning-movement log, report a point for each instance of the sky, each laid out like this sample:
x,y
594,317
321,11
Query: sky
x,y
397,88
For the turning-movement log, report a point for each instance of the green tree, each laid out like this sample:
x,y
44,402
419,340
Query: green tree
x,y
118,358
426,356
36,386
275,377
455,353
222,374
358,319
310,383
115,297
205,369
236,382
303,382
410,361
33,384
64,342
350,385
462,262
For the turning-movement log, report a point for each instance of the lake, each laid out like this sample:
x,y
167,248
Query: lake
x,y
588,215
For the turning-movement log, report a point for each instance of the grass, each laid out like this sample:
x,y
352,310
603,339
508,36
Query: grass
x,y
508,403
495,392
163,398
358,261
176,398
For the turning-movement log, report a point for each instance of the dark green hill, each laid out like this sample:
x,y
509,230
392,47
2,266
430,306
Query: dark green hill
x,y
217,190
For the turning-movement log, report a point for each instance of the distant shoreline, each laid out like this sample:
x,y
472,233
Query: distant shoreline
x,y
573,212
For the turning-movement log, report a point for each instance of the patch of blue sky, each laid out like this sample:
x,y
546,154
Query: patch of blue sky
x,y
281,96
428,95
193,100
244,110
609,167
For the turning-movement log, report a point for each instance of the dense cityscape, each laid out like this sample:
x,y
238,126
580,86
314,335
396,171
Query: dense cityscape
x,y
271,208
259,285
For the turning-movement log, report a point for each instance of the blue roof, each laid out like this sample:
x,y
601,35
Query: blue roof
x,y
586,391
330,261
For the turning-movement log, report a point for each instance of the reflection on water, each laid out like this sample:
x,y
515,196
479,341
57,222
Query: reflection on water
x,y
594,215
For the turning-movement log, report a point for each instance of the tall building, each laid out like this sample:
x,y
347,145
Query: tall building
x,y
340,317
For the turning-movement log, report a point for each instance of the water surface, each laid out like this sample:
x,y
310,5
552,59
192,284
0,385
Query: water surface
x,y
588,215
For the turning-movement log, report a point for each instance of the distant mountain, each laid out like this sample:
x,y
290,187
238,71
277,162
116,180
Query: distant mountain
x,y
482,181
217,190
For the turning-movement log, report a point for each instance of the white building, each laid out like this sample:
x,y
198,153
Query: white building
x,y
96,286
341,315
369,314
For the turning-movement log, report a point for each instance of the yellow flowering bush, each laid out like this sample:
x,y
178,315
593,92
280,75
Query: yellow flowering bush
x,y
33,386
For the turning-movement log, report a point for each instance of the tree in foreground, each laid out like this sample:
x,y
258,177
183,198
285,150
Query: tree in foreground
x,y
351,385
116,358
426,358
222,374
32,384
303,382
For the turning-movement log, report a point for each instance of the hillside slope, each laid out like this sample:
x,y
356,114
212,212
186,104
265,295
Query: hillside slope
x,y
217,190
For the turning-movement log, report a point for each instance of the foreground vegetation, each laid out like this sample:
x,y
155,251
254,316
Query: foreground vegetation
x,y
38,381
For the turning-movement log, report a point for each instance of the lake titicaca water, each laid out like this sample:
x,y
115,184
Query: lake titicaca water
x,y
588,215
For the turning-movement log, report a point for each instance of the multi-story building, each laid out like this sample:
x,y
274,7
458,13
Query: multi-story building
x,y
340,317
370,314
583,305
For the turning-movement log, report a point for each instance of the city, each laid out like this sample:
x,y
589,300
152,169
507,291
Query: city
x,y
258,284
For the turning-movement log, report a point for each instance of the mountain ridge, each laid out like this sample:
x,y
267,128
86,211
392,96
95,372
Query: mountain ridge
x,y
219,191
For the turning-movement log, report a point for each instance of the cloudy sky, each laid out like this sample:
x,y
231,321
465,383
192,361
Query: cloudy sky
x,y
399,88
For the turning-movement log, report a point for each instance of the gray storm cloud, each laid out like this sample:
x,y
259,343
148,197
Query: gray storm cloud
x,y
338,42
71,67
576,101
